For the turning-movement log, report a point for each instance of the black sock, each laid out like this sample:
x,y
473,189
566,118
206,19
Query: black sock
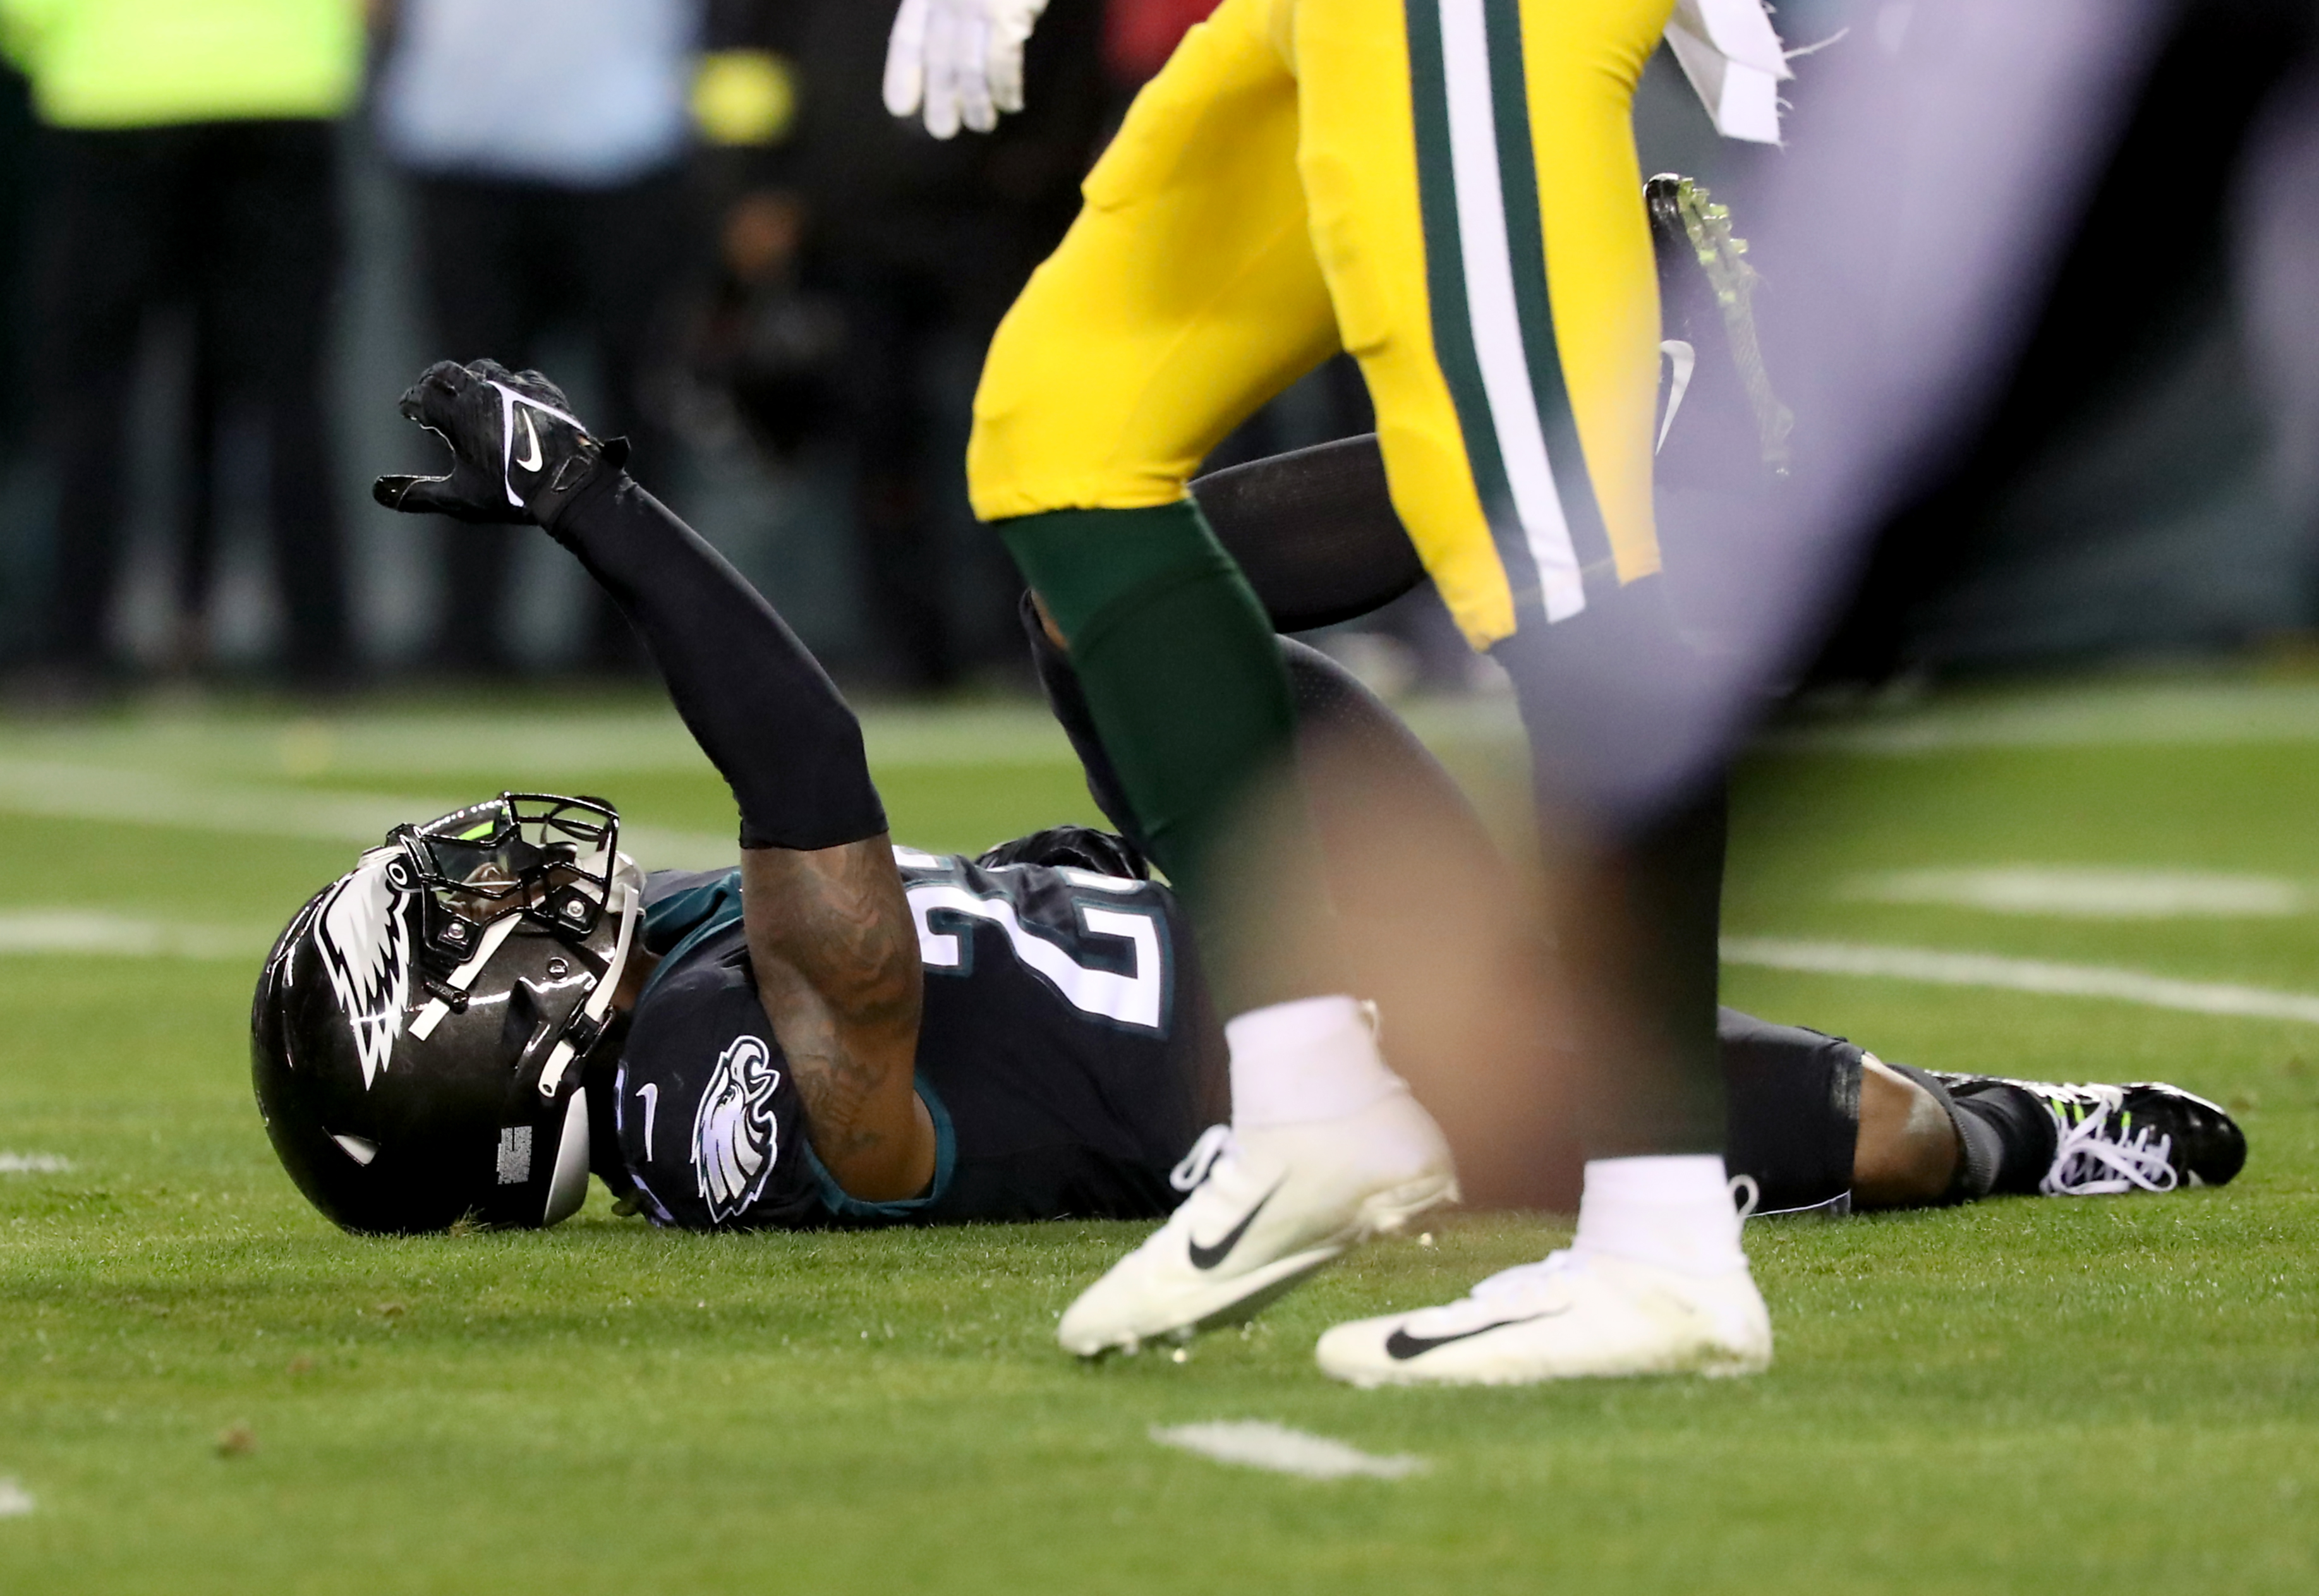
x,y
2022,1127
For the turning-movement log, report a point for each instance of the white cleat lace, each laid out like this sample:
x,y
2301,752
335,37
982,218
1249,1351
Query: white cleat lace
x,y
2094,1156
1215,1143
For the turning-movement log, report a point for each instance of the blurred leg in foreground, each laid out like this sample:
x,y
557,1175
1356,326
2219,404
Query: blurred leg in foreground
x,y
1301,178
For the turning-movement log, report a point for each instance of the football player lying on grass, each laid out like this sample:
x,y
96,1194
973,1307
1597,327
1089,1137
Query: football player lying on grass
x,y
844,1032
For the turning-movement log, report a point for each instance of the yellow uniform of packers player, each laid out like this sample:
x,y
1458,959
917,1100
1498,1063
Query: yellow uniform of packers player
x,y
1447,189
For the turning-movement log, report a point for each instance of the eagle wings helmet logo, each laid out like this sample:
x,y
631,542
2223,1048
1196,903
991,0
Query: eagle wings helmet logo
x,y
735,1138
364,933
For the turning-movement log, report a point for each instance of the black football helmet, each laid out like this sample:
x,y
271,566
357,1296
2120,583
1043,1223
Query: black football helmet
x,y
422,1028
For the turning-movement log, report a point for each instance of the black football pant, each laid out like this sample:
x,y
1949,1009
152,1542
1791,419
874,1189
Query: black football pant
x,y
506,265
239,221
1643,902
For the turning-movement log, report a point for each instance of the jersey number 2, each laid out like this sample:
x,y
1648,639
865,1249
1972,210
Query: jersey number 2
x,y
1135,998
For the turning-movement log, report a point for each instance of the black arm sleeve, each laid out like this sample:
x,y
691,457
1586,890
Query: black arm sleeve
x,y
759,705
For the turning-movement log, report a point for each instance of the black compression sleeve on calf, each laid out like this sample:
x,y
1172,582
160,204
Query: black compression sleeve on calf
x,y
759,705
2022,1127
1654,884
1314,531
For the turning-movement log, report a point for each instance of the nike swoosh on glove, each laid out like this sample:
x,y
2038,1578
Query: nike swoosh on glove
x,y
960,61
517,453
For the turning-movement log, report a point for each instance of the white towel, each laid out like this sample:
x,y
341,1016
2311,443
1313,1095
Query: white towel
x,y
1727,49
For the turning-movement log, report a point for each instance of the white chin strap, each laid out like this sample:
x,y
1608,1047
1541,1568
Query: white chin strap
x,y
569,1188
463,978
631,910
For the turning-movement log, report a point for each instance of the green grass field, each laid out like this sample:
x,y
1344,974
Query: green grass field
x,y
203,1387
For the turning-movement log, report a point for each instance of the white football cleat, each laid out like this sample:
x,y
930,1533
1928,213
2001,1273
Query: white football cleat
x,y
1266,1207
1575,1315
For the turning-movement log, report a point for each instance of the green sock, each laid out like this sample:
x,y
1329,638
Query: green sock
x,y
1183,676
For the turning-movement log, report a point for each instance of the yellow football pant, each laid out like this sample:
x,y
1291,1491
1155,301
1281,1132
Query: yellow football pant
x,y
1448,189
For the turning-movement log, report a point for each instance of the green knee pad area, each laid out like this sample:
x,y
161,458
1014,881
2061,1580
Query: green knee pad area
x,y
1184,679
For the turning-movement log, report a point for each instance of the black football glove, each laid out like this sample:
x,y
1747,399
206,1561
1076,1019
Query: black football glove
x,y
518,452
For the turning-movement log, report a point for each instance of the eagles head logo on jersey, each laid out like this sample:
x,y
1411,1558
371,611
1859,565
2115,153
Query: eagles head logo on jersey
x,y
735,1139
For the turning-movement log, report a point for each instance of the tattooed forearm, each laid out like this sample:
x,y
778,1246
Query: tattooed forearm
x,y
836,962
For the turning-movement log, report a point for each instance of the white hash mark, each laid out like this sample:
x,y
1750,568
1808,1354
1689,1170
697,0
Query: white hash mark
x,y
16,1163
16,1502
1255,1443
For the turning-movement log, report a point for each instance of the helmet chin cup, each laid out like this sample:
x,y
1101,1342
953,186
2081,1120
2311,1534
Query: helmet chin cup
x,y
568,1187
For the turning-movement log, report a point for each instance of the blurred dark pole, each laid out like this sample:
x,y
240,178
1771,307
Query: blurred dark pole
x,y
18,173
2277,229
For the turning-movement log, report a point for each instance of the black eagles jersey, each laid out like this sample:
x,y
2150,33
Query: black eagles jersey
x,y
1067,1056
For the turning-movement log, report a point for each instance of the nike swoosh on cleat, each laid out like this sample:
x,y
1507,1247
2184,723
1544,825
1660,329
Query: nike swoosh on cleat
x,y
1401,1346
531,437
1208,1258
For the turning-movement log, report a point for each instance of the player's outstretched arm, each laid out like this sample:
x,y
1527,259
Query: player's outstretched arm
x,y
830,935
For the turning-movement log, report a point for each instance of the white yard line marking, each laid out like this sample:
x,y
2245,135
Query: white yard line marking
x,y
61,791
121,936
2086,892
1257,1444
2019,975
16,1163
16,1502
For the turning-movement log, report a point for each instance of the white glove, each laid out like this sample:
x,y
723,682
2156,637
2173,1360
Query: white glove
x,y
959,60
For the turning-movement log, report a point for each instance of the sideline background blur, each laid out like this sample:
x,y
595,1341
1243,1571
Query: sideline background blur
x,y
826,283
